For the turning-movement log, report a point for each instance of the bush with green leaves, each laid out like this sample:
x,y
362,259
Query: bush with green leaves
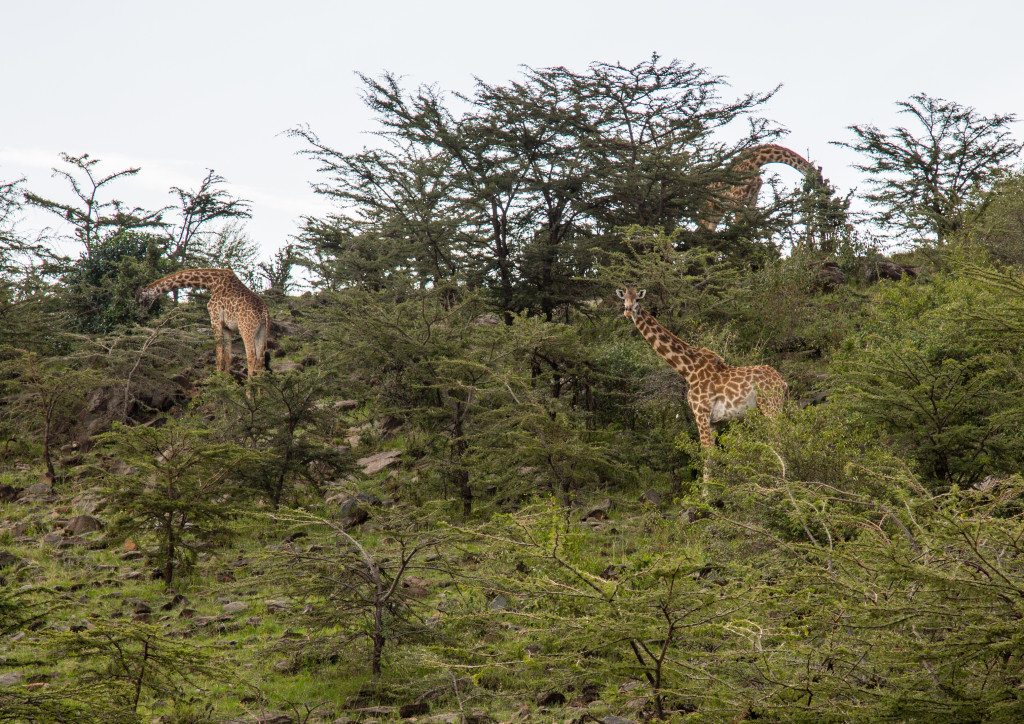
x,y
287,419
938,385
174,487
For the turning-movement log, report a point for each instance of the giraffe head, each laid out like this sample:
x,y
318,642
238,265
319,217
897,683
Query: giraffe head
x,y
630,297
146,296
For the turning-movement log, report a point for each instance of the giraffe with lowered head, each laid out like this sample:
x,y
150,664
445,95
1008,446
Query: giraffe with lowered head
x,y
728,197
716,390
233,308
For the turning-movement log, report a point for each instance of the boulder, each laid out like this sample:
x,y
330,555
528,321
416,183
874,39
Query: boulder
x,y
488,319
8,493
884,269
8,559
12,678
498,603
83,524
550,698
416,708
235,607
287,365
375,463
37,491
599,511
652,497
276,605
342,405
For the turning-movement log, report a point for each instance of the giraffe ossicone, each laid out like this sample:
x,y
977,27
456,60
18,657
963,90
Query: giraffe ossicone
x,y
716,390
233,308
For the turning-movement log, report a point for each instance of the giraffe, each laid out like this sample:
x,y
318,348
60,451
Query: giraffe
x,y
715,389
233,308
727,197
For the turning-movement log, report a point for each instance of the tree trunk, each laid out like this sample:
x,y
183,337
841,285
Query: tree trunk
x,y
378,636
169,563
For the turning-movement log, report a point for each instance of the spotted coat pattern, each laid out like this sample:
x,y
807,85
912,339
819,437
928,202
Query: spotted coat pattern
x,y
716,390
726,198
233,308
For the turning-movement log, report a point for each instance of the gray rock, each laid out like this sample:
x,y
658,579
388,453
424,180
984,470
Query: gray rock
x,y
235,607
416,708
174,602
12,678
87,502
8,559
287,365
550,698
375,463
21,528
276,605
599,511
8,493
38,490
52,538
83,524
488,319
653,497
346,404
498,603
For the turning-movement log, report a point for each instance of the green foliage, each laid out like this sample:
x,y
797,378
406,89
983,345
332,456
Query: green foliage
x,y
936,385
100,288
357,593
532,543
44,397
173,486
998,226
519,191
286,419
925,177
131,660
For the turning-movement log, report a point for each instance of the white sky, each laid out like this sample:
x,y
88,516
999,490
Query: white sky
x,y
179,87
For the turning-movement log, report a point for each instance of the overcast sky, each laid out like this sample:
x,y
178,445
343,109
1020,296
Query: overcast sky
x,y
179,87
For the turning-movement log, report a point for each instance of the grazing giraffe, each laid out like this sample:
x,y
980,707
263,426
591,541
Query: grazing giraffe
x,y
715,389
233,308
728,197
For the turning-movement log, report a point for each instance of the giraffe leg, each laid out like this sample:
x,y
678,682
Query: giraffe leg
x,y
707,440
254,338
228,352
219,335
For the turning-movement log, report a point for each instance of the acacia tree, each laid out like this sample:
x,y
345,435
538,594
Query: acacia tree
x,y
180,489
45,397
199,208
511,191
357,589
92,218
924,176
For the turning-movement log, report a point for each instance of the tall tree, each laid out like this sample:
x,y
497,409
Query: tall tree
x,y
91,217
511,183
924,176
199,209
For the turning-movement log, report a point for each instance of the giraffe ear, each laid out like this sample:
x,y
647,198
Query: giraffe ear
x,y
641,293
620,294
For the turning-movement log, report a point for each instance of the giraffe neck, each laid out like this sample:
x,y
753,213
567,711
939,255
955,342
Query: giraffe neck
x,y
684,358
757,156
191,278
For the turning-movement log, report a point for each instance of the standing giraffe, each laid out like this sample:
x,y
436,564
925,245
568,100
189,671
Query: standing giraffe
x,y
233,308
727,197
715,389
